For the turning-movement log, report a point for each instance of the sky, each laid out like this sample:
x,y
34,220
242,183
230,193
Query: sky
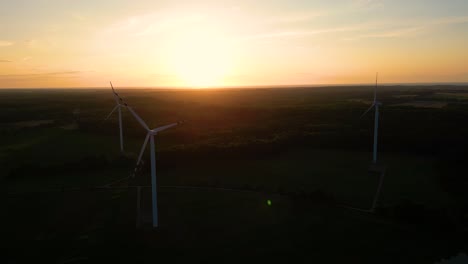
x,y
147,43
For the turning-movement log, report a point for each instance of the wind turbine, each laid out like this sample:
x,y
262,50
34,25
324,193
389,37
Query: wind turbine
x,y
375,104
374,168
119,104
76,114
150,135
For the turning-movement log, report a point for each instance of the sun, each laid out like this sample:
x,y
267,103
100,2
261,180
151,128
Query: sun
x,y
201,58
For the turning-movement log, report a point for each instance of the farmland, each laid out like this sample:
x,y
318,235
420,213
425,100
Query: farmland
x,y
305,149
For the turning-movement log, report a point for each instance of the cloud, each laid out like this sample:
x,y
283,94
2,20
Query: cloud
x,y
394,33
4,43
294,17
368,4
5,60
78,16
448,21
413,27
303,33
162,75
31,42
62,74
154,23
169,21
42,79
40,43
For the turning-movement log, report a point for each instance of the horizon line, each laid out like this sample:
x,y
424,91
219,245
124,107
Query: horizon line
x,y
254,86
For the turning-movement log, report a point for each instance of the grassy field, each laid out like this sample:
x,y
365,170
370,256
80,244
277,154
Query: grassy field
x,y
342,173
306,150
228,225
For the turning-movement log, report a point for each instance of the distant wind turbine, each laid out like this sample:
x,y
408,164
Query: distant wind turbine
x,y
119,104
374,167
375,104
76,114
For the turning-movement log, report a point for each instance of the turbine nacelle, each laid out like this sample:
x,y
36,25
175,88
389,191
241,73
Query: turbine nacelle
x,y
151,133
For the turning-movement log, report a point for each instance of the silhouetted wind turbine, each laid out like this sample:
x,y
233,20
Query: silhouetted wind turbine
x,y
150,135
375,104
76,114
374,167
119,106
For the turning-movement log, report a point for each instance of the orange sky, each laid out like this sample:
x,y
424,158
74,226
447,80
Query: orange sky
x,y
231,43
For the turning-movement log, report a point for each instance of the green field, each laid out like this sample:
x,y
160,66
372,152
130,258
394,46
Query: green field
x,y
340,172
306,150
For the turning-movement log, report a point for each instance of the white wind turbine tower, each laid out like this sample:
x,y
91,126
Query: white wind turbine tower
x,y
374,167
119,104
375,104
150,135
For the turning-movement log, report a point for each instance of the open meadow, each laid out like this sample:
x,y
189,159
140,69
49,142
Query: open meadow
x,y
250,170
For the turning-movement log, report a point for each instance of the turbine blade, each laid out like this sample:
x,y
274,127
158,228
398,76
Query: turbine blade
x,y
117,97
142,123
375,88
121,102
159,129
113,110
372,106
143,148
113,90
141,153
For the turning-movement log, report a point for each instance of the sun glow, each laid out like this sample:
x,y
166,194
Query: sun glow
x,y
201,58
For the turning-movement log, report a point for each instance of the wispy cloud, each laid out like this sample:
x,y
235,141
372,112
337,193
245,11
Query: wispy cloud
x,y
448,21
78,16
42,79
6,61
304,33
153,23
40,43
26,58
62,74
4,43
411,28
368,4
394,33
295,17
162,77
31,42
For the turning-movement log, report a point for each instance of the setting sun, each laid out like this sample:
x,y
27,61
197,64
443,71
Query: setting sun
x,y
200,58
231,43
